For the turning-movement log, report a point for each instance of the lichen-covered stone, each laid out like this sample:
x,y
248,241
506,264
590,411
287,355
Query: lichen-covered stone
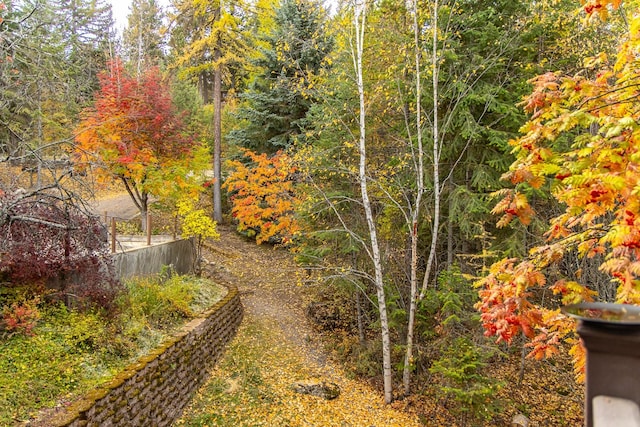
x,y
324,389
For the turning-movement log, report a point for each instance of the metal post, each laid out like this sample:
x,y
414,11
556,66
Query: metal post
x,y
175,226
611,336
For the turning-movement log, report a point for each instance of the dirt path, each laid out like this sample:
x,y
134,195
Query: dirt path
x,y
119,206
273,350
269,282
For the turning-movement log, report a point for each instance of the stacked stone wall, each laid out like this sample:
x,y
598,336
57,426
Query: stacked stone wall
x,y
155,390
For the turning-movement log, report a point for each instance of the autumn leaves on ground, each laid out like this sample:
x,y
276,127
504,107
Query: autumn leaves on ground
x,y
252,385
276,348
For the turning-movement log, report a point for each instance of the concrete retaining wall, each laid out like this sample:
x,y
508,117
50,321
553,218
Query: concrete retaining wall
x,y
154,390
149,260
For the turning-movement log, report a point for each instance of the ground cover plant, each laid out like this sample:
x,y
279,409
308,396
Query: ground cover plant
x,y
65,352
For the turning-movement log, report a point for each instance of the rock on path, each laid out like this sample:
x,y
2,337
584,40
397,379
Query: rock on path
x,y
275,349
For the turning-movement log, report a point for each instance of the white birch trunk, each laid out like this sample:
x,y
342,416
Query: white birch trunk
x,y
415,214
359,18
436,154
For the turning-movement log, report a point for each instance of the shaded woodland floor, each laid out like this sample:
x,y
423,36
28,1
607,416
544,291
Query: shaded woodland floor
x,y
276,348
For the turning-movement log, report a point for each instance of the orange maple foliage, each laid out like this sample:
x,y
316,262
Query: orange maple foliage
x,y
263,196
583,140
599,7
134,133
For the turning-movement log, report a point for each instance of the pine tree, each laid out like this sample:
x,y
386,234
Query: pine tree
x,y
211,43
142,39
53,50
87,27
280,94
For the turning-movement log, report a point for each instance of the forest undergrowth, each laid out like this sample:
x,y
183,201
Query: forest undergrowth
x,y
277,347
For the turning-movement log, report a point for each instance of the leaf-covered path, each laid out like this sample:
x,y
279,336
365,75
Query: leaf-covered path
x,y
251,385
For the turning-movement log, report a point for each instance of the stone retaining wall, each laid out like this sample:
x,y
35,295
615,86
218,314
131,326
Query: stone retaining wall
x,y
155,390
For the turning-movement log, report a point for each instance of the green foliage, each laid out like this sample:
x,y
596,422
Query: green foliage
x,y
64,355
188,182
163,304
460,370
69,352
52,52
280,93
447,319
456,297
143,38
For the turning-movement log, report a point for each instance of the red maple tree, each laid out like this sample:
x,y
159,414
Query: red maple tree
x,y
134,133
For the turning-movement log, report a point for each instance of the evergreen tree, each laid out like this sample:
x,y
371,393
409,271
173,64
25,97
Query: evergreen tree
x,y
54,50
18,24
280,94
87,27
142,39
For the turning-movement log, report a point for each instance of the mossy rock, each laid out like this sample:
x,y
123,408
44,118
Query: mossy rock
x,y
324,389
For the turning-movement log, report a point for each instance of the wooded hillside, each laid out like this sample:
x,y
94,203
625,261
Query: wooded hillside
x,y
449,172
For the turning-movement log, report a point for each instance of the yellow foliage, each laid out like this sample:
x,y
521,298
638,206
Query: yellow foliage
x,y
195,222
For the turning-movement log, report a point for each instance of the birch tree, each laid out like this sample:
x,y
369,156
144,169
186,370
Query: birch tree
x,y
464,92
408,123
418,156
143,39
359,24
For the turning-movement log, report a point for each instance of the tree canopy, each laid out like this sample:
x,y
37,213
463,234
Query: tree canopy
x,y
580,146
135,134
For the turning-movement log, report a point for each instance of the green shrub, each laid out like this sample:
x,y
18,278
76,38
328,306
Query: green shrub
x,y
462,380
69,352
163,303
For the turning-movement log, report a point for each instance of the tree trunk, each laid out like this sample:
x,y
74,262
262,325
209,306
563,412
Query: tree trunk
x,y
217,130
374,250
450,227
359,319
144,211
436,155
415,215
140,199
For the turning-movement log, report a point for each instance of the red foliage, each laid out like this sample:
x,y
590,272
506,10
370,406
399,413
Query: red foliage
x,y
45,241
21,317
134,127
595,178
